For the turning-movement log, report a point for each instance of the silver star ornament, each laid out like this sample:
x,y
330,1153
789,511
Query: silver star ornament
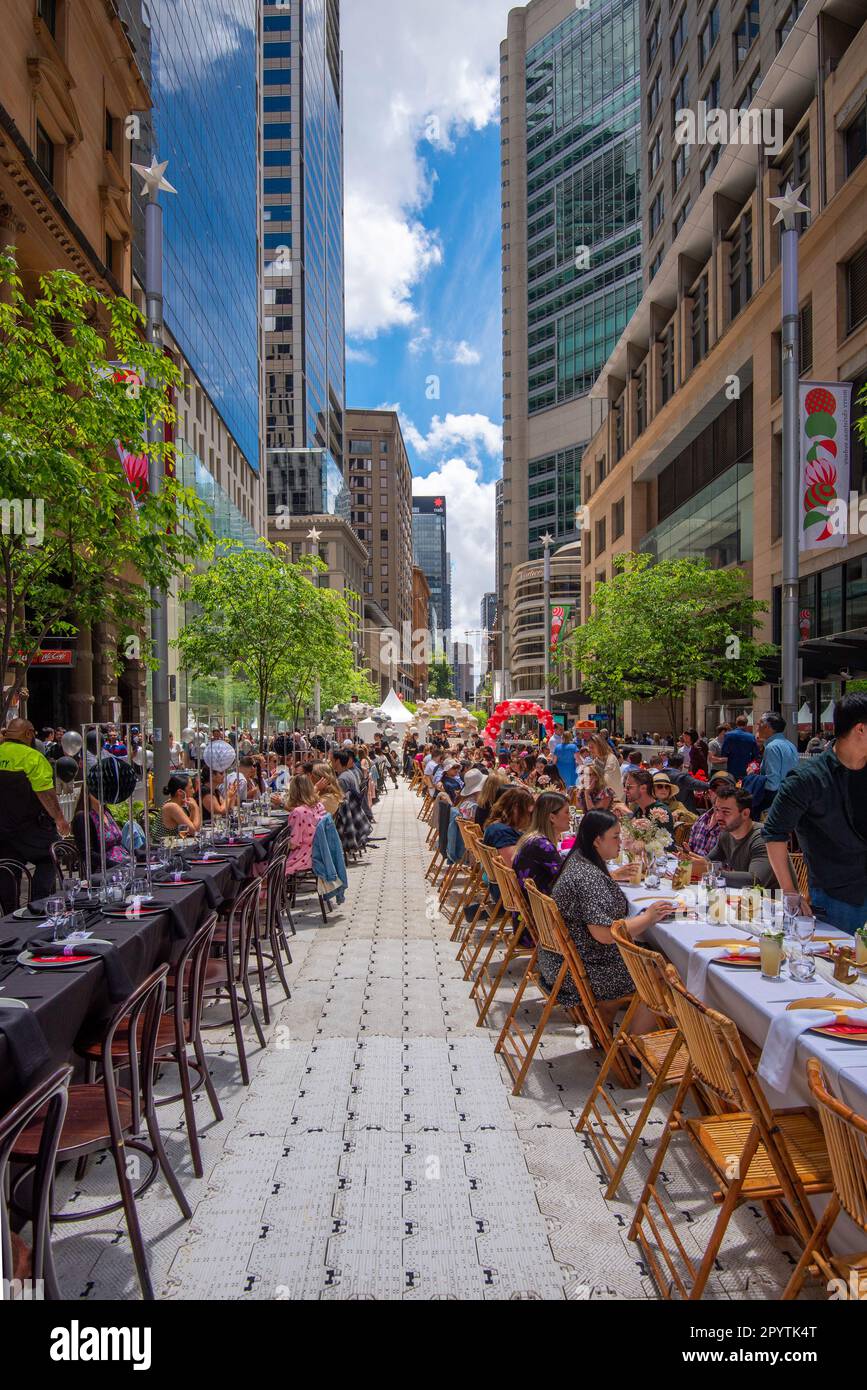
x,y
154,178
789,205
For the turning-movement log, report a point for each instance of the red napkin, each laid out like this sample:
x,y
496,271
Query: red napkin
x,y
844,1028
740,955
52,959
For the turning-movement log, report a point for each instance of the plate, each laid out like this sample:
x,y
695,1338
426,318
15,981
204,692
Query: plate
x,y
27,914
741,961
11,1003
216,859
180,883
131,914
54,962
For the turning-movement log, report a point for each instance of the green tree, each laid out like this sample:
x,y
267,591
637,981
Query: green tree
x,y
657,629
264,620
439,679
63,412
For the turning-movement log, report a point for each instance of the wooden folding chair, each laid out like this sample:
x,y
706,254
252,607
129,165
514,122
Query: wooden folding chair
x,y
471,834
509,933
753,1153
661,1054
846,1138
470,951
802,877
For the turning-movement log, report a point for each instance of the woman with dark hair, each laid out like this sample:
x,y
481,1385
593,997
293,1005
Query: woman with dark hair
x,y
213,803
695,751
590,902
490,794
180,813
114,851
509,818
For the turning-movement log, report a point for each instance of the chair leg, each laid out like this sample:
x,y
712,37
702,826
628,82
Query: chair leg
x,y
163,1160
236,1025
189,1111
260,970
207,1080
324,912
829,1216
652,1095
139,1253
537,1036
274,935
248,995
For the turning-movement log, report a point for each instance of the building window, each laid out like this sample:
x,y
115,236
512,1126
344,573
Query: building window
x,y
680,101
641,399
657,209
111,140
618,519
600,537
711,97
276,103
111,255
653,38
746,32
680,216
708,36
741,265
654,97
679,166
277,50
280,131
678,36
855,138
619,432
47,11
699,320
666,364
44,152
657,261
709,165
856,290
749,92
788,23
655,157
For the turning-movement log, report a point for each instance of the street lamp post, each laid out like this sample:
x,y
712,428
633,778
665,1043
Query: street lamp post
x,y
315,537
547,542
155,182
788,207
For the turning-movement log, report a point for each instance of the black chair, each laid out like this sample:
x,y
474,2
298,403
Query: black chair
x,y
11,876
230,977
102,1115
66,857
47,1100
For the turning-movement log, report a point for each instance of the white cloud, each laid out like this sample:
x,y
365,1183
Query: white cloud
x,y
474,434
411,86
443,349
470,522
359,355
465,356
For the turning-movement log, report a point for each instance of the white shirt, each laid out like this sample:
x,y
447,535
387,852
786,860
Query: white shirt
x,y
238,777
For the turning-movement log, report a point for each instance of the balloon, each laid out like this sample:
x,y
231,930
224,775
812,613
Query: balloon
x,y
188,735
219,755
118,779
66,769
71,743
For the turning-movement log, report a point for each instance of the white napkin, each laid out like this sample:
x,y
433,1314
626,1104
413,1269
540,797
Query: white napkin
x,y
696,975
778,1053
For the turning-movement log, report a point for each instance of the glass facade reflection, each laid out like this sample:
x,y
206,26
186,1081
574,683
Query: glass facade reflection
x,y
430,553
555,496
226,521
306,482
203,77
583,197
716,524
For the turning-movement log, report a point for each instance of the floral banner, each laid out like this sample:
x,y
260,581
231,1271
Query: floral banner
x,y
559,616
824,452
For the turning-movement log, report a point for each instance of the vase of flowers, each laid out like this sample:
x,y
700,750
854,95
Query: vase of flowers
x,y
646,836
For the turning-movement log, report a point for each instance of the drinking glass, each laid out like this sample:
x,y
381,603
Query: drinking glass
x,y
771,951
71,886
651,878
177,867
140,888
802,964
55,908
791,908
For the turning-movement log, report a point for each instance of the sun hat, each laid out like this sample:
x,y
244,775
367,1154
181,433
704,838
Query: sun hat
x,y
473,782
662,779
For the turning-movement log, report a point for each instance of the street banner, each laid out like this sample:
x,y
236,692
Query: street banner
x,y
824,409
558,622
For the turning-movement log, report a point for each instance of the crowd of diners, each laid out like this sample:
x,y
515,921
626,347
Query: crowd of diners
x,y
743,801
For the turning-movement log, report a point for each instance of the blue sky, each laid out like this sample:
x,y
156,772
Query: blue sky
x,y
423,294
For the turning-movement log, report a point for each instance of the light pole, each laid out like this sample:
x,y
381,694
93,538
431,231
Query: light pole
x,y
788,206
315,537
547,542
154,183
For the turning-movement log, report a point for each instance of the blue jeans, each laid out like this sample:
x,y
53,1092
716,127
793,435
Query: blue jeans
x,y
845,916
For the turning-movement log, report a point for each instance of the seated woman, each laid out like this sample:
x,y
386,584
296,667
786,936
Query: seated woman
x,y
115,854
492,789
666,792
305,813
536,855
327,787
593,794
590,902
508,820
216,800
180,813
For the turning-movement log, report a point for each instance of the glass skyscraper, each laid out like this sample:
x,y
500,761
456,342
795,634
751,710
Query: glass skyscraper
x,y
203,78
430,553
302,200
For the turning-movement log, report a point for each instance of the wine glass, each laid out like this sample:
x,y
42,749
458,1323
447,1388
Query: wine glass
x,y
802,964
177,867
55,908
70,887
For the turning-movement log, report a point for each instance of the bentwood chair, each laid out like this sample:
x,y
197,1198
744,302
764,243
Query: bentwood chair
x,y
846,1137
102,1115
229,978
660,1054
12,876
179,1029
66,857
44,1106
753,1153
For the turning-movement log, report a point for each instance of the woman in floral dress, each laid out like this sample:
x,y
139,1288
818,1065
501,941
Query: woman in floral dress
x,y
305,813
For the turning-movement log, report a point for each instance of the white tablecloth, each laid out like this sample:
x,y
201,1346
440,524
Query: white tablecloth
x,y
752,1003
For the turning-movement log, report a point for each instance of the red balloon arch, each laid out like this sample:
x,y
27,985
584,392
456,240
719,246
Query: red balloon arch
x,y
508,709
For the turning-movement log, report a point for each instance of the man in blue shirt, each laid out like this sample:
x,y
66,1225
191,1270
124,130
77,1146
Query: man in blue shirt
x,y
565,760
739,749
780,756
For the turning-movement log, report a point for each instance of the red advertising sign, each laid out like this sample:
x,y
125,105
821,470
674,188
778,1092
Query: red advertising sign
x,y
53,656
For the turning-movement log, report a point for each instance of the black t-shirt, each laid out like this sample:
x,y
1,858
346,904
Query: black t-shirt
x,y
857,788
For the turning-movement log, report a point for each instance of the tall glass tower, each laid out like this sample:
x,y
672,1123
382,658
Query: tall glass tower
x,y
430,553
203,65
302,203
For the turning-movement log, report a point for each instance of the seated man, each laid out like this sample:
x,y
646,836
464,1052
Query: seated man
x,y
741,845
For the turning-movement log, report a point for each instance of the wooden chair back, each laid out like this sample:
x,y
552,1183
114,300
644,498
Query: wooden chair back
x,y
802,877
50,1096
713,1043
846,1137
648,971
190,974
549,928
509,886
488,858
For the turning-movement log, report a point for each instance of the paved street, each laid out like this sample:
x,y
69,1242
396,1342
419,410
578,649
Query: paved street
x,y
379,1153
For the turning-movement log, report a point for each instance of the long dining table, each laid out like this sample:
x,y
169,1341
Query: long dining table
x,y
753,1002
63,1001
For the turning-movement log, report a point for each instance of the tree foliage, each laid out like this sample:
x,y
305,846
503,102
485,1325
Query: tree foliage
x,y
63,411
657,629
265,620
439,679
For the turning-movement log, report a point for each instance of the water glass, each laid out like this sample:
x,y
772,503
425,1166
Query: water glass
x,y
177,867
55,908
140,888
71,886
802,963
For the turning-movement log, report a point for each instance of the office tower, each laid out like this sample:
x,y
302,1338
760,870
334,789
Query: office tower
x,y
571,228
380,482
302,210
420,627
488,612
429,520
688,462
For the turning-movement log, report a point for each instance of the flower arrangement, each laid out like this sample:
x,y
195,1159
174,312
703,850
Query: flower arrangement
x,y
646,834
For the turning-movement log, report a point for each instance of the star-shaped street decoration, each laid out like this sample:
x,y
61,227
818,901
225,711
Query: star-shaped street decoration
x,y
789,205
547,539
314,536
154,178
